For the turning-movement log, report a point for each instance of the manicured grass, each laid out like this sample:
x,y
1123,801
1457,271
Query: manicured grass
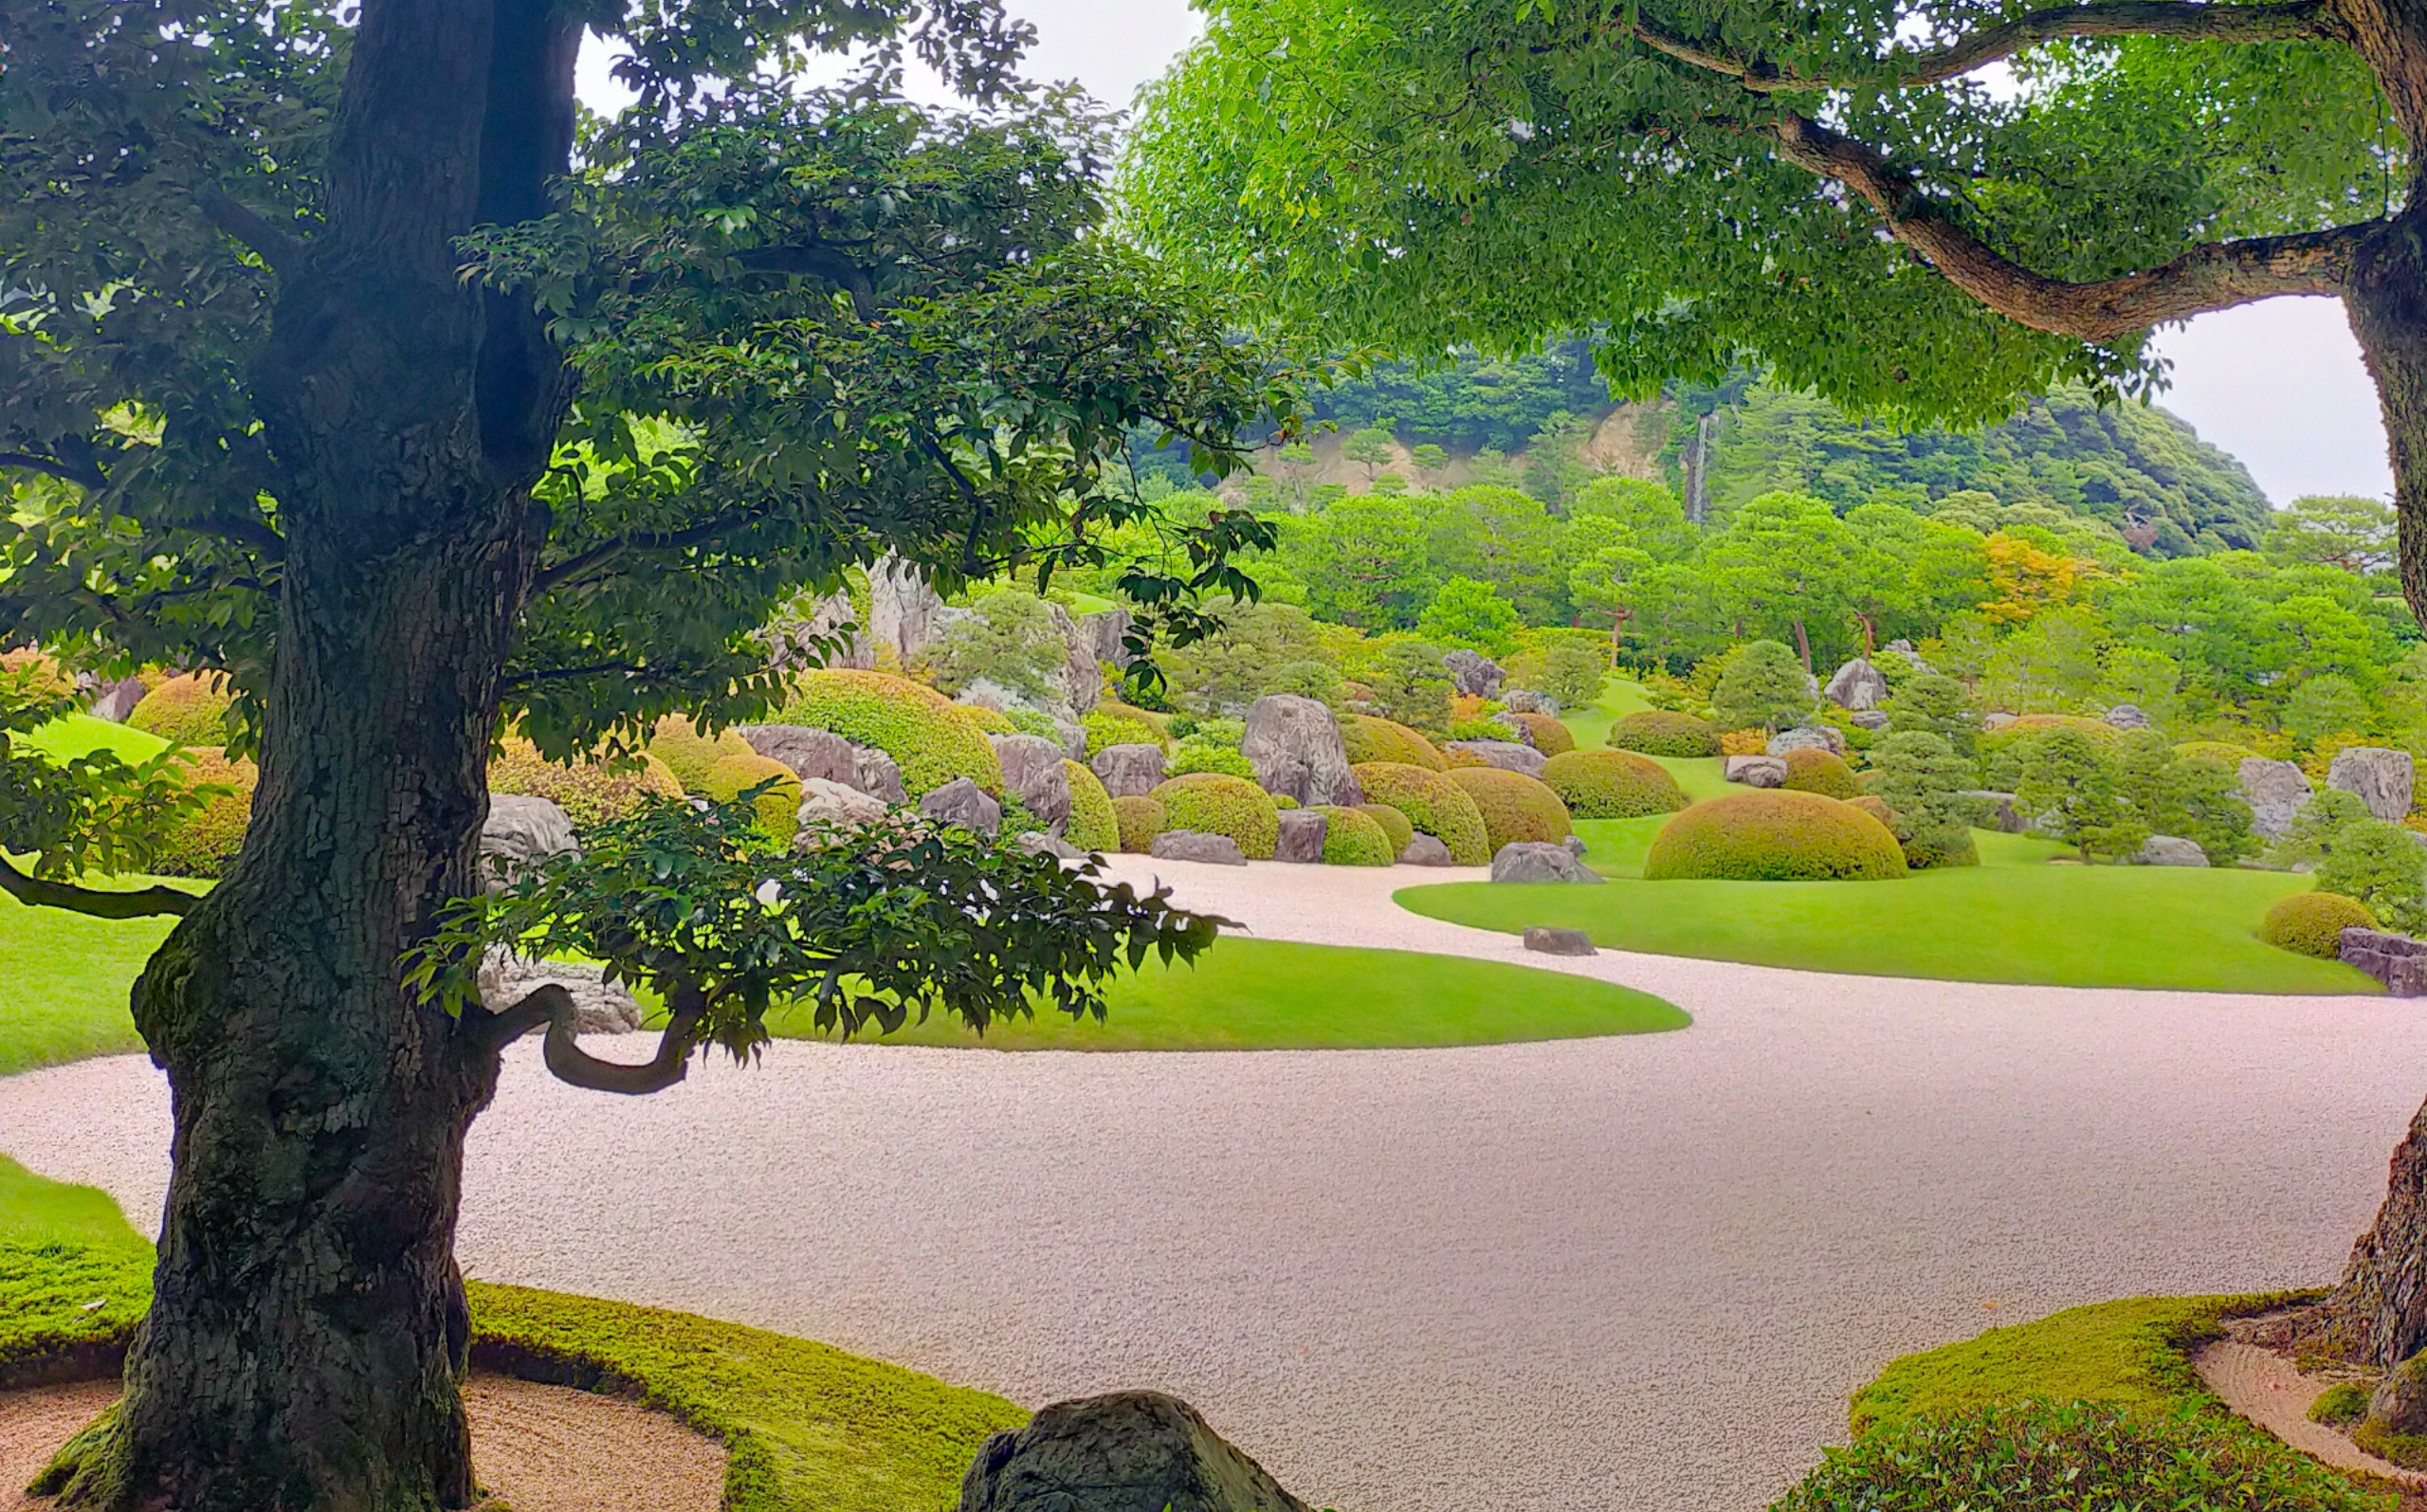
x,y
64,983
1590,726
2014,918
79,734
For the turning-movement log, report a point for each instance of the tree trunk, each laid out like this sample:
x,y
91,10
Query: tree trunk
x,y
1697,461
1802,642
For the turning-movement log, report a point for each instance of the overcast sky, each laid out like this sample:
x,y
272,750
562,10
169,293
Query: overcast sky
x,y
2277,384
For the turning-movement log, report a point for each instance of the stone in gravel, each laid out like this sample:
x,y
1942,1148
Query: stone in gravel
x,y
1856,685
1036,842
1505,755
1474,675
1302,836
2128,716
2397,960
519,833
1754,771
1425,851
1559,941
1538,861
1869,718
964,803
1525,700
1128,771
2169,850
1132,1452
2379,778
1033,774
1295,747
2275,791
600,1007
1807,738
825,801
1992,809
1195,845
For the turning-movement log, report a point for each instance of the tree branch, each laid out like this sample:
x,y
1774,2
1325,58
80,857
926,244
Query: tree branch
x,y
82,476
233,218
255,533
36,893
2187,20
819,262
705,533
2216,276
550,1004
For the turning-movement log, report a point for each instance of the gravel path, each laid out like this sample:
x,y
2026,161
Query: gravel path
x,y
2265,1388
1631,1273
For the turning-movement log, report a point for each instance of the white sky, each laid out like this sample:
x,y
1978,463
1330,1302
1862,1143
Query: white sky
x,y
2278,384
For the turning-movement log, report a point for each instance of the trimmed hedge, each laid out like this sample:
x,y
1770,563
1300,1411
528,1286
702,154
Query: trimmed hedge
x,y
1515,807
1371,737
1190,757
1395,825
691,755
1105,727
588,791
1140,821
1550,736
778,807
1353,839
202,843
2311,924
188,710
1821,772
1612,784
2224,751
2107,737
1093,825
1212,803
1432,803
927,733
1664,732
1774,835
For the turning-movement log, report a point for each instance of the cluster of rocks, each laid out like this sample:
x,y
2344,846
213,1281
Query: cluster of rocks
x,y
2397,960
2277,790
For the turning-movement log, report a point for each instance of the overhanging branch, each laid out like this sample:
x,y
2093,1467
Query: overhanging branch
x,y
584,564
149,903
234,218
83,475
550,1004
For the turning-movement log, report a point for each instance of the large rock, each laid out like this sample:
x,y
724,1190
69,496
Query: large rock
x,y
1106,632
1133,1451
1474,674
2397,960
116,701
2399,1404
905,614
2128,716
1080,678
1998,720
1195,845
1807,738
1559,942
964,803
519,833
1538,861
825,801
1302,836
1869,718
1295,747
1856,685
1754,771
1033,774
809,752
2378,777
1992,809
1037,843
1903,649
1425,851
2275,791
1505,755
1128,771
600,1007
1525,700
2169,850
878,775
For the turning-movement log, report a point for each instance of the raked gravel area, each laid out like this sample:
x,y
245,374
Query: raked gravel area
x,y
1632,1273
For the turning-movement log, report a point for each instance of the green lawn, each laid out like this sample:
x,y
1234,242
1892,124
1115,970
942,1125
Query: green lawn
x,y
1590,726
64,984
78,734
2014,918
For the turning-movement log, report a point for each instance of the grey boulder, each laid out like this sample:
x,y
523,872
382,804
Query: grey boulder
x,y
599,1006
1295,747
1575,844
964,803
1988,808
2169,850
1998,720
2378,777
1505,755
1132,1452
2397,960
878,776
1195,845
116,701
1754,771
1105,634
1869,718
1904,650
1474,674
1037,843
1128,771
2128,716
1425,851
1033,774
1538,861
1559,942
825,801
1807,738
1302,836
1525,700
2275,791
1856,685
2399,1404
519,833
809,753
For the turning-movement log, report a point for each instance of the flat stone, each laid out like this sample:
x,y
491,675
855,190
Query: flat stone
x,y
2379,778
1505,755
1538,861
1754,771
964,803
1033,774
1134,1451
1425,851
2128,716
1997,721
1294,745
1302,836
2275,791
1559,941
1128,771
600,1007
1856,685
1808,738
1195,845
2169,850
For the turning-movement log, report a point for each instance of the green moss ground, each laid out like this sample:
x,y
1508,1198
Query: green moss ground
x,y
1590,726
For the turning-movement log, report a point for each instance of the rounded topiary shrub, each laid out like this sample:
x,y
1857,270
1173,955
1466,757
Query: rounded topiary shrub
x,y
1395,825
1204,756
691,755
1370,737
1093,825
204,842
1351,838
1777,835
1140,820
2311,924
1661,732
1453,758
589,792
1212,803
1612,784
778,807
925,733
985,720
1514,805
2224,751
188,710
1823,773
2106,737
1433,804
1120,726
1549,736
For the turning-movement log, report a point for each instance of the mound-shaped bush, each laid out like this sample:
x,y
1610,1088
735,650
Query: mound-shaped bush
x,y
1549,736
1776,835
1395,825
1371,737
188,710
1664,732
1612,784
1351,838
1433,804
589,792
778,807
1744,742
1821,772
2224,751
203,842
985,720
1109,726
1093,826
1514,805
2311,924
1212,803
1140,820
925,732
2107,737
691,755
1453,758
1205,755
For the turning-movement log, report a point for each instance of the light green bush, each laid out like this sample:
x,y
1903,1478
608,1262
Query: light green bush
x,y
778,807
1351,838
188,710
1433,804
1106,728
1395,825
202,843
1193,756
1550,736
689,754
1612,784
1515,808
1140,820
1213,803
1369,738
927,735
1777,835
1821,772
1093,825
2311,924
1664,732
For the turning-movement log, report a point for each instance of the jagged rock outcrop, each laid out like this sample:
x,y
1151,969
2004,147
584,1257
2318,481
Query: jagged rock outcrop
x,y
1295,747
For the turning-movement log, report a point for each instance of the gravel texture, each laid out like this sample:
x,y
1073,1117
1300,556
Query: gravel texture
x,y
2264,1387
1630,1273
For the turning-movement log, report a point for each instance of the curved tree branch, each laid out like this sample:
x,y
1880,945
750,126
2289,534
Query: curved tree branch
x,y
83,476
2216,276
232,217
552,1005
583,564
94,902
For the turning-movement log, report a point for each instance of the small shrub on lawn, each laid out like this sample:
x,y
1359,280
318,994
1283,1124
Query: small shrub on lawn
x,y
1395,825
2311,924
1432,803
1140,821
923,731
1823,773
1612,784
1351,838
1549,736
1658,732
1776,835
1093,825
1212,803
1369,738
203,842
188,710
589,792
689,754
1515,807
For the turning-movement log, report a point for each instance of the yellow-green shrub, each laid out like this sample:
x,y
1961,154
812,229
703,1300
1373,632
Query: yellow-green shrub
x,y
1353,839
778,807
1550,736
927,736
1821,772
1109,725
1612,784
1395,825
48,676
1777,835
2224,751
1094,825
985,721
589,792
1432,803
2311,924
2107,737
689,754
1665,733
188,710
1514,805
202,843
1140,820
1371,737
1215,804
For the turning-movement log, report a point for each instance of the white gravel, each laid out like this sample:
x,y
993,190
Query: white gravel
x,y
1612,1274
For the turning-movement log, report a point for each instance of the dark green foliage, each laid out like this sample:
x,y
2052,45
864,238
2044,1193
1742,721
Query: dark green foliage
x,y
2312,834
1776,835
2383,865
1573,674
1665,733
2197,797
93,812
1467,404
1410,687
1919,776
1764,687
2069,787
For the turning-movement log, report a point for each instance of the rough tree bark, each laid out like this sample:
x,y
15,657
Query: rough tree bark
x,y
308,1333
